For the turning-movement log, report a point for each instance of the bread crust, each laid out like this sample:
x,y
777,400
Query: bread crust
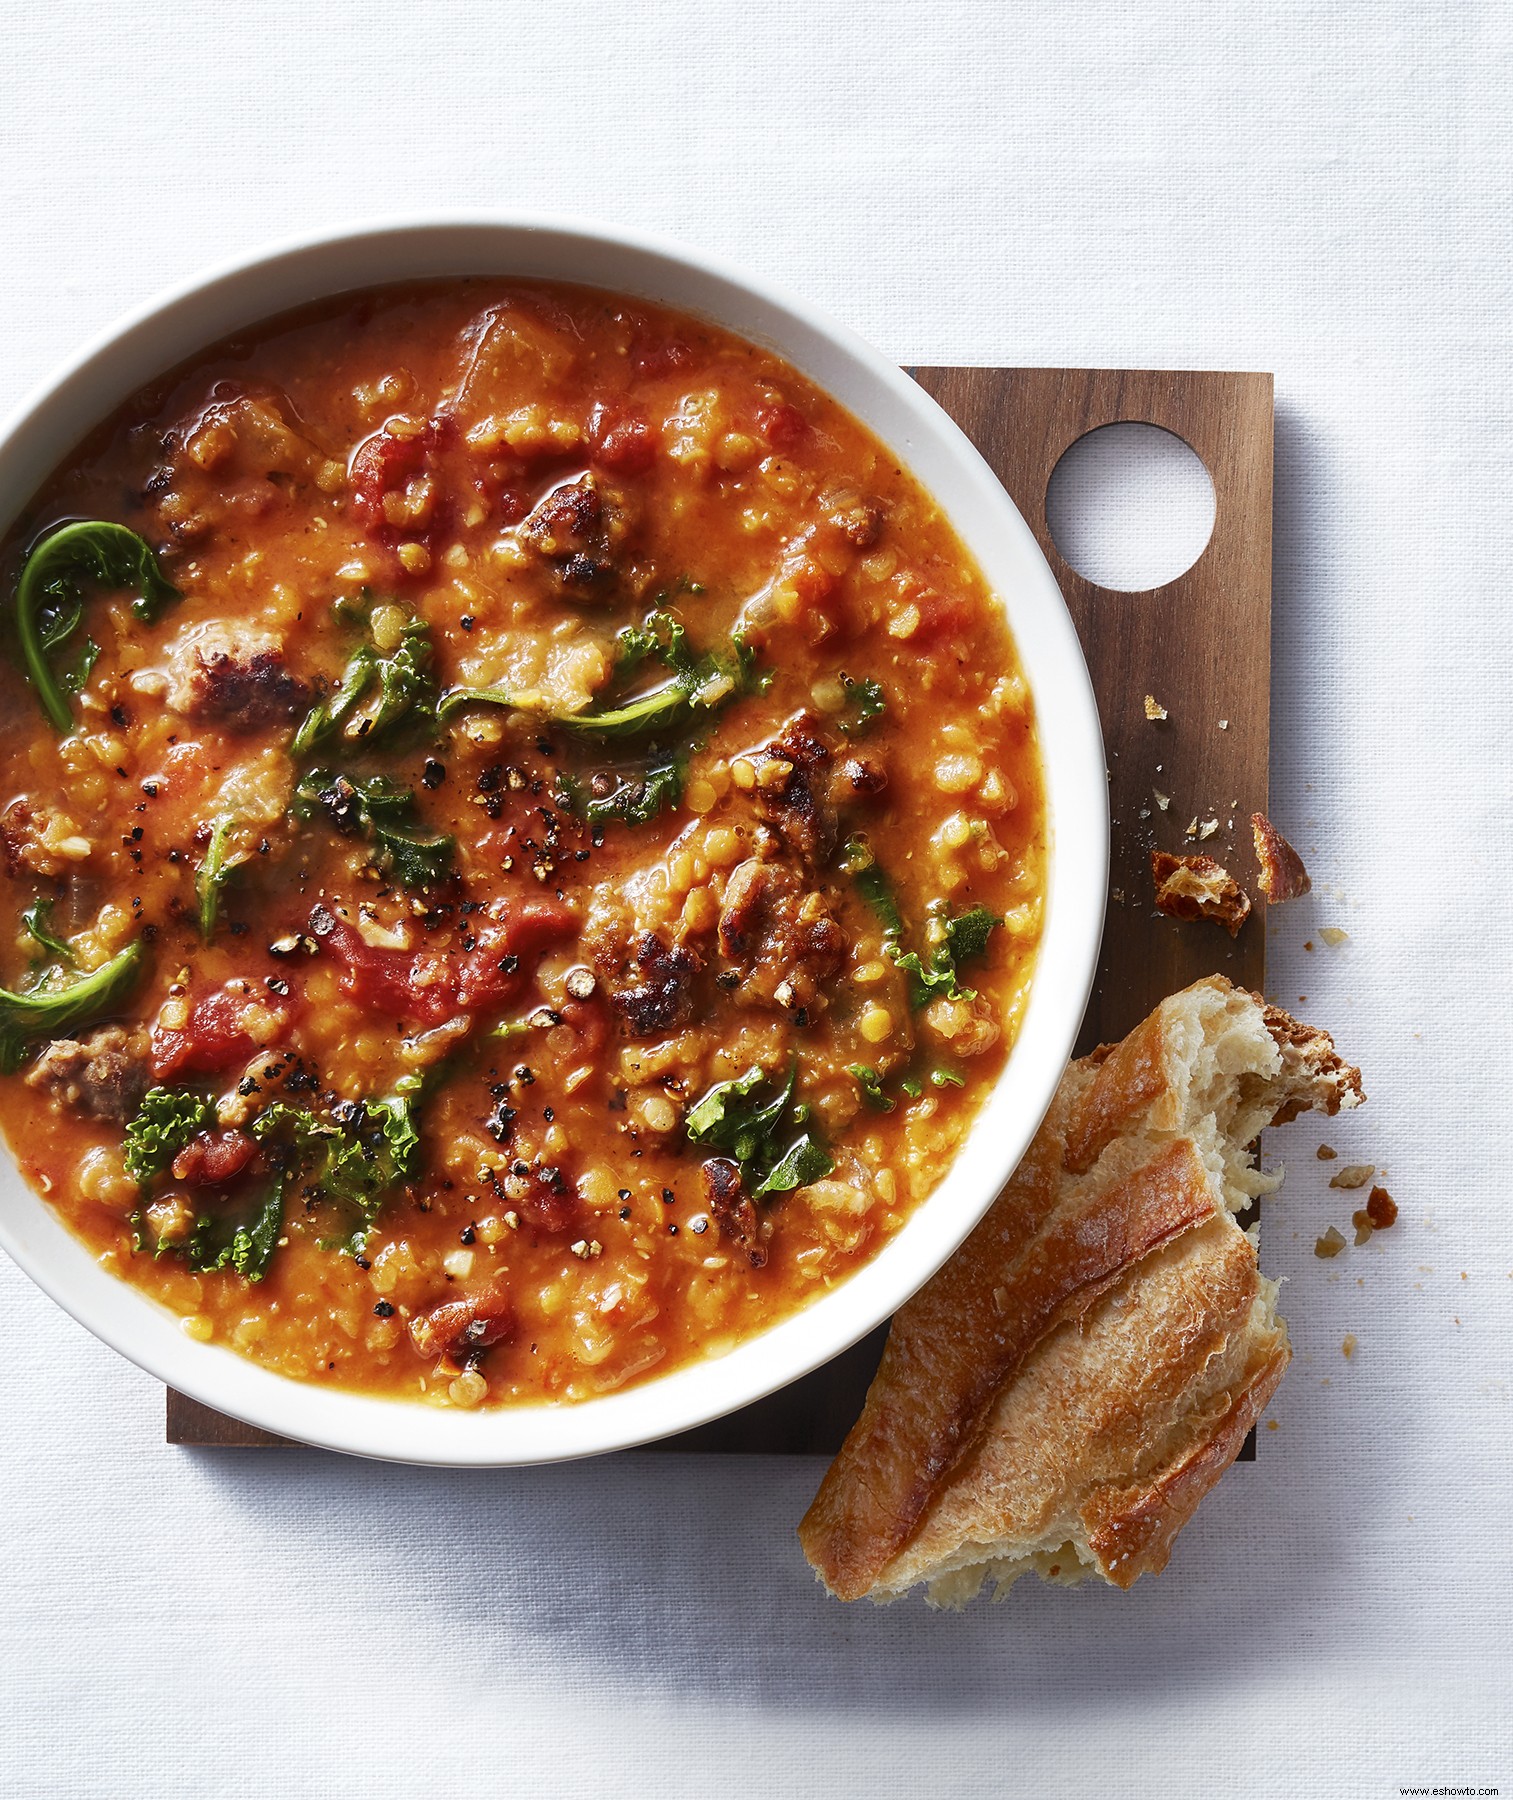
x,y
1085,1367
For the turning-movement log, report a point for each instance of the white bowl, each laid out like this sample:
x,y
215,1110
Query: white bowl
x,y
486,244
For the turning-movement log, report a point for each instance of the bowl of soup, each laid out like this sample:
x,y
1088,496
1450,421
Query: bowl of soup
x,y
554,831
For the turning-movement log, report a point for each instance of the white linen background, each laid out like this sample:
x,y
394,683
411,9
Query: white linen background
x,y
1320,190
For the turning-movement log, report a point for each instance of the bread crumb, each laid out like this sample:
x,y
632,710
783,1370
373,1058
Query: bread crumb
x,y
1283,876
1331,1244
1224,724
1353,1175
1154,710
1325,1154
1196,887
1333,936
1192,830
1381,1208
1363,1227
1208,828
1162,800
1348,1346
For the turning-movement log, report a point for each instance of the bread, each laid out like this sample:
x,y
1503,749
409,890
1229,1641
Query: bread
x,y
1283,876
1067,1388
1196,887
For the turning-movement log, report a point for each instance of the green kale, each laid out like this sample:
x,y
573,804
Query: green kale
x,y
351,1163
48,1011
382,811
871,1084
245,1245
952,942
699,687
865,705
213,874
756,1122
38,921
956,941
50,602
406,694
875,888
633,796
162,1125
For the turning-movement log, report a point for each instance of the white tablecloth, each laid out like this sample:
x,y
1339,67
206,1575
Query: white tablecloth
x,y
1318,190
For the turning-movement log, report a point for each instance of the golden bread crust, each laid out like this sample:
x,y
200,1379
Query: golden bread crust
x,y
1065,1390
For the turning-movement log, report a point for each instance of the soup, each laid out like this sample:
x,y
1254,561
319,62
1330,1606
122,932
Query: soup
x,y
525,843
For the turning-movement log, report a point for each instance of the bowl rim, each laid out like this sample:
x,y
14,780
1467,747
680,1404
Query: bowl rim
x,y
980,510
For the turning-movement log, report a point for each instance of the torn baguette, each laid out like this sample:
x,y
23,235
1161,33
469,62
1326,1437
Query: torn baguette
x,y
1067,1388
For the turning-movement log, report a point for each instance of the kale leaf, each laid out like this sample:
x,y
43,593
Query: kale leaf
x,y
162,1125
243,1245
699,686
213,874
38,922
872,883
957,941
49,1011
871,1084
353,1162
633,796
348,1162
953,942
406,693
50,602
383,812
865,705
756,1122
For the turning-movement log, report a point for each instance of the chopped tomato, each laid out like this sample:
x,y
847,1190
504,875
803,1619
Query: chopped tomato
x,y
431,986
461,1328
620,439
386,464
551,1202
940,615
670,357
214,1158
783,426
225,1026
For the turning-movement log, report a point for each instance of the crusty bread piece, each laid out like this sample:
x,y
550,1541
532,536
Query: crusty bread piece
x,y
1068,1387
1196,887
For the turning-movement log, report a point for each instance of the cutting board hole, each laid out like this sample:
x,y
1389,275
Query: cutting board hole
x,y
1130,507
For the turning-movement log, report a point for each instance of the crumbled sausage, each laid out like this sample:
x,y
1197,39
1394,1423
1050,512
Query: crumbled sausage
x,y
860,777
795,796
102,1076
234,678
38,841
235,458
662,998
858,519
577,529
731,1208
785,940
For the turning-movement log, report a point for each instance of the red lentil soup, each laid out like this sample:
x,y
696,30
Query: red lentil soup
x,y
524,836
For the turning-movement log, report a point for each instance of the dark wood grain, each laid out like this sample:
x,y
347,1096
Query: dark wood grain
x,y
1201,645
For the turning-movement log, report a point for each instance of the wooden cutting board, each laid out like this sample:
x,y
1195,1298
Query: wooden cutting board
x,y
1201,645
